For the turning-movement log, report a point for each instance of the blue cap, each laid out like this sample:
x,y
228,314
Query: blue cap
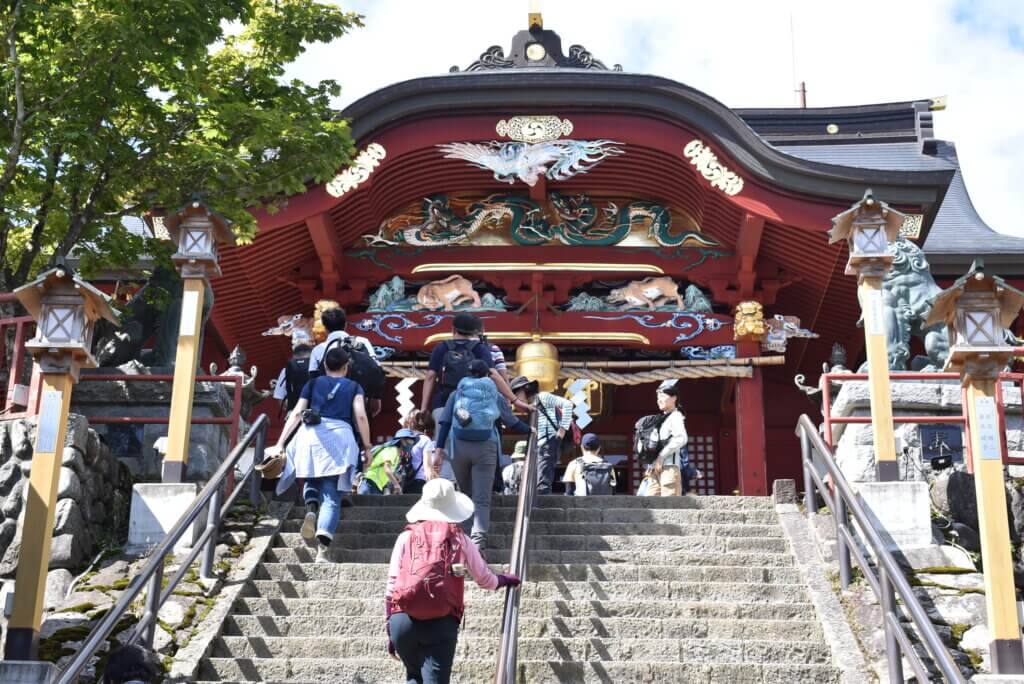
x,y
406,432
591,442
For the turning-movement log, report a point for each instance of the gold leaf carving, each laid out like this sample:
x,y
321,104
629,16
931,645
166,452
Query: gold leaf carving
x,y
533,129
707,164
353,176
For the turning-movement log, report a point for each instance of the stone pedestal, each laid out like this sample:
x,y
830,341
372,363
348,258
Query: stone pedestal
x,y
900,511
133,443
928,397
27,672
155,508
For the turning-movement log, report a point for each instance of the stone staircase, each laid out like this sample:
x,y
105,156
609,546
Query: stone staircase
x,y
621,589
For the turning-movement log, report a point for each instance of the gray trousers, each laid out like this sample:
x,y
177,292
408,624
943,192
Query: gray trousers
x,y
474,464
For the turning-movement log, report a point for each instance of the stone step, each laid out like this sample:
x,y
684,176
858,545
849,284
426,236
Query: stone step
x,y
689,516
317,624
552,556
289,579
572,573
657,543
382,670
299,602
718,503
543,529
595,648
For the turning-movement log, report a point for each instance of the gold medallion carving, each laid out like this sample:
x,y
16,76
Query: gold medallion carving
x,y
911,228
534,129
361,168
707,165
749,325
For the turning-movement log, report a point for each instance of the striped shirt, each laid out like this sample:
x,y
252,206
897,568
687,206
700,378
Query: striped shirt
x,y
558,410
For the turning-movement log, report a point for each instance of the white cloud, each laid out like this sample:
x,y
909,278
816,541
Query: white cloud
x,y
739,52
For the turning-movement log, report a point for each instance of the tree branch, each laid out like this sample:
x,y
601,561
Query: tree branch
x,y
35,244
18,129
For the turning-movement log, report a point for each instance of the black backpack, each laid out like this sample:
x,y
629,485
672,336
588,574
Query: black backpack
x,y
296,375
597,477
363,369
647,438
457,358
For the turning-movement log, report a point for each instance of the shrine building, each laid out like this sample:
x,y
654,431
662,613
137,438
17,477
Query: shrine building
x,y
621,217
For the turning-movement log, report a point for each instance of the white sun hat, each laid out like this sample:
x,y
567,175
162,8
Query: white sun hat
x,y
440,501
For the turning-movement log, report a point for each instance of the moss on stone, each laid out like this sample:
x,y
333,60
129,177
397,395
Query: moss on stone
x,y
958,630
944,570
121,584
80,608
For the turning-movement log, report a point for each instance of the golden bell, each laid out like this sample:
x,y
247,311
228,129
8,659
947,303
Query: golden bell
x,y
538,361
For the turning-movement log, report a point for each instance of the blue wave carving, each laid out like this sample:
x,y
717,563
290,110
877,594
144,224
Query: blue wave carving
x,y
692,324
381,324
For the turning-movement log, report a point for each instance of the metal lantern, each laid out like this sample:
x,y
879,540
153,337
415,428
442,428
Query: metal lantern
x,y
197,231
66,310
977,309
868,227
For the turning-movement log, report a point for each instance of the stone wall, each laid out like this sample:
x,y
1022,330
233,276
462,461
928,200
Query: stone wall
x,y
133,444
854,443
92,497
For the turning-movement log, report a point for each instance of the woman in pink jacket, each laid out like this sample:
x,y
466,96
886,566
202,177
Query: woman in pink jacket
x,y
424,595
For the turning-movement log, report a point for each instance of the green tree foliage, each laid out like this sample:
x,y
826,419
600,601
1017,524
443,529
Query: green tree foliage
x,y
111,107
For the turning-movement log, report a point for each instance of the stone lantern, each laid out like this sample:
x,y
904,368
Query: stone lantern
x,y
868,227
197,232
977,309
66,310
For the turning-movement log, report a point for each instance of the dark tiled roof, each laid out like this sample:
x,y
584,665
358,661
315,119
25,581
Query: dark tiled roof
x,y
893,137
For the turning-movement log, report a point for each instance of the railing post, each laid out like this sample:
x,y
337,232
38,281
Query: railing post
x,y
842,550
212,523
810,500
893,652
257,457
152,606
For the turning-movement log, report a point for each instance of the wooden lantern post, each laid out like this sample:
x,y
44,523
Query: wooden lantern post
x,y
66,310
197,232
868,227
977,309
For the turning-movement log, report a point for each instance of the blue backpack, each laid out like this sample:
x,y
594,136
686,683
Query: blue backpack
x,y
475,409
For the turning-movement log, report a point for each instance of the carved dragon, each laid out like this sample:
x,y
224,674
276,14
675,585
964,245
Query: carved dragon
x,y
577,221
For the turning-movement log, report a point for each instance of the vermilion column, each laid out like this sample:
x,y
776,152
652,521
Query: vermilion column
x,y
750,433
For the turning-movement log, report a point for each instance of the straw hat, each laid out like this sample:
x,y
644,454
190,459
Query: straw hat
x,y
272,465
520,451
439,501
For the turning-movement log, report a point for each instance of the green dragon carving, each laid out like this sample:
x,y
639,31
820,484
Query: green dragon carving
x,y
579,222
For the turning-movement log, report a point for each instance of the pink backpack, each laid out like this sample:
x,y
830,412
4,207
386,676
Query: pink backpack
x,y
426,587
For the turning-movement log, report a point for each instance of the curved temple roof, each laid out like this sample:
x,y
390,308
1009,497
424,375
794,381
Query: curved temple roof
x,y
829,152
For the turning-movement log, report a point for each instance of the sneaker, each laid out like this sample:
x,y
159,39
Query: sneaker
x,y
308,530
322,555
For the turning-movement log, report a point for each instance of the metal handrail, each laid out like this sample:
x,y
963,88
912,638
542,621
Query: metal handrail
x,y
505,672
152,575
885,576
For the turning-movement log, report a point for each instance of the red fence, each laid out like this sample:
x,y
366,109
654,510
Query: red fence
x,y
829,420
22,398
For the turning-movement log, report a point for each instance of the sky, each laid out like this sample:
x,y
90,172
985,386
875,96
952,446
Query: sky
x,y
742,53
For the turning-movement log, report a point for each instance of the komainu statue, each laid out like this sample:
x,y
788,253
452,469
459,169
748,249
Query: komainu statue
x,y
906,294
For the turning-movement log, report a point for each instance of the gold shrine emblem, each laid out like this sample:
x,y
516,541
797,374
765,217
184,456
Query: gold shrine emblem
x,y
534,129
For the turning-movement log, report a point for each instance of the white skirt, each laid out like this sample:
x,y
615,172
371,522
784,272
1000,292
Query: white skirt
x,y
326,449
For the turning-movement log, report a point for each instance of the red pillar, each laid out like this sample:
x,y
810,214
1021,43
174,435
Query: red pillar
x,y
750,434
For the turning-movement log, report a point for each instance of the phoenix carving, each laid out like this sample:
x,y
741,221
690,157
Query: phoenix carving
x,y
555,159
